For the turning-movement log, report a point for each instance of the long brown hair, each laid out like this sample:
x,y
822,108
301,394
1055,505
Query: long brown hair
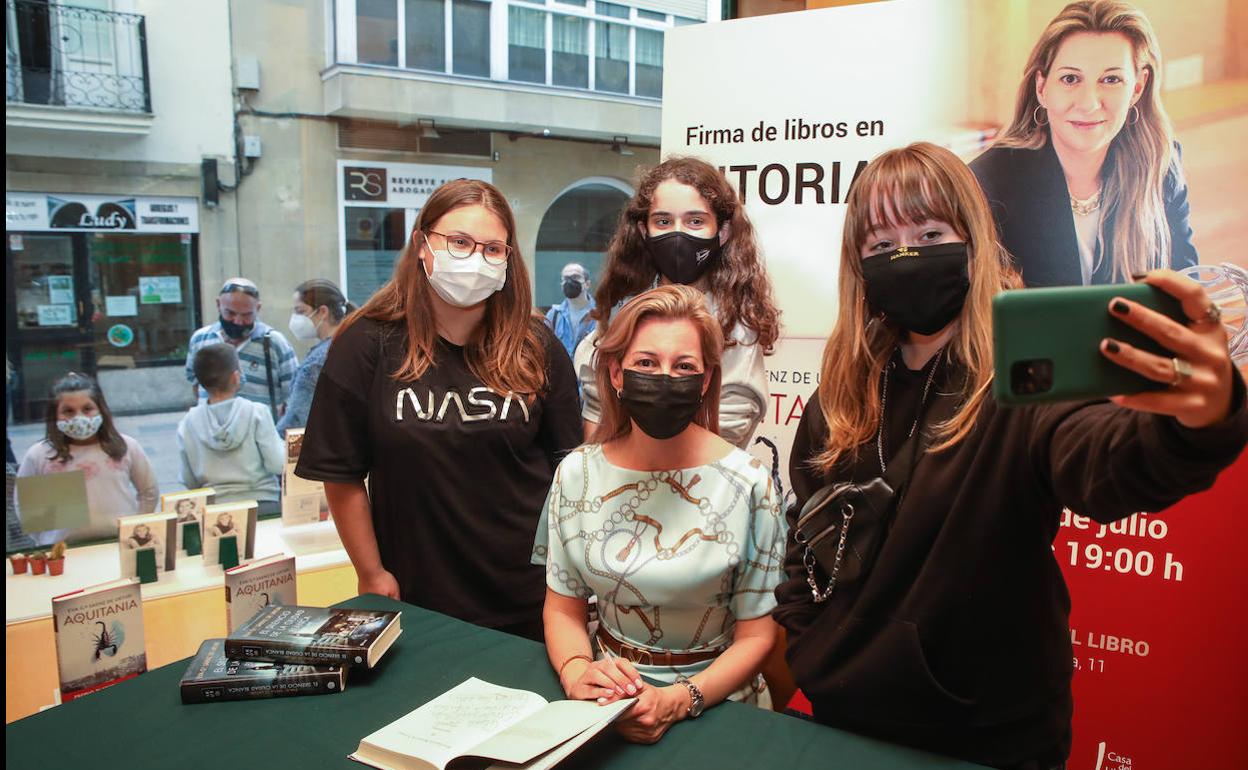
x,y
109,437
507,352
738,281
1142,153
667,303
920,182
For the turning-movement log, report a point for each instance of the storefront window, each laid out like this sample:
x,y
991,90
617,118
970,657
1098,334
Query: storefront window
x,y
373,238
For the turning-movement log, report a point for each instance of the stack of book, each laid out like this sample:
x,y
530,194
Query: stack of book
x,y
289,650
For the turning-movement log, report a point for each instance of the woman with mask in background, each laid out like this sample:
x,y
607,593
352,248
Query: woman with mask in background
x,y
456,402
1086,183
319,308
686,225
946,626
677,532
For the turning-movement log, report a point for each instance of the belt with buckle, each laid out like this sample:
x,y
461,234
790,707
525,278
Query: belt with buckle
x,y
652,657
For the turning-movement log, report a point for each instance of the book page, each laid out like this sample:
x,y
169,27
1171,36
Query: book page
x,y
455,722
556,723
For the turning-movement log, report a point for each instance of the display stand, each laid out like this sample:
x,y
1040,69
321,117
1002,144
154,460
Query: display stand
x,y
191,541
228,552
145,565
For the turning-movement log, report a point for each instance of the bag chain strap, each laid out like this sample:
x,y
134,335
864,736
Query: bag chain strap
x,y
847,513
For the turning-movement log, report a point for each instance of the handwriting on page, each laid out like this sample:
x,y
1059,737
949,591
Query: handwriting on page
x,y
475,713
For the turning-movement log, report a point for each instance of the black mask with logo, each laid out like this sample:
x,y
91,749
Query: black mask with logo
x,y
235,331
572,288
681,257
918,288
661,405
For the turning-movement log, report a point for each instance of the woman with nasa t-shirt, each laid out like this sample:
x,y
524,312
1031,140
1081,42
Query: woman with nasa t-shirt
x,y
457,403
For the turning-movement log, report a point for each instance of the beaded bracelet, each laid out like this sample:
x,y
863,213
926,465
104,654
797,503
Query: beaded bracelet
x,y
585,658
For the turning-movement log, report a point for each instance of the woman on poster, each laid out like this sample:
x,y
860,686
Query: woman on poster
x,y
946,627
1086,183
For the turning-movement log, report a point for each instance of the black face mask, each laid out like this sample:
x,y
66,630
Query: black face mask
x,y
571,288
661,405
236,331
681,257
918,288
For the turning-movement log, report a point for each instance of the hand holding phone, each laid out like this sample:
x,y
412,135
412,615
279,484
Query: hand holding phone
x,y
1152,345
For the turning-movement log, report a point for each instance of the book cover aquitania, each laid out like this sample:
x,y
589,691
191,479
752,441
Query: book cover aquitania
x,y
99,637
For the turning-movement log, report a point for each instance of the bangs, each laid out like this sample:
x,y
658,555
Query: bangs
x,y
901,188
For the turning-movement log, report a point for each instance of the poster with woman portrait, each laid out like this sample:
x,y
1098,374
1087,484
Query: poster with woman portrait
x,y
188,507
1102,153
236,520
154,532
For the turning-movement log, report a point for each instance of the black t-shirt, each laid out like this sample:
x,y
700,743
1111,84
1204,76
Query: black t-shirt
x,y
457,473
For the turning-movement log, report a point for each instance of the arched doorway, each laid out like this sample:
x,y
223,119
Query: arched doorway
x,y
576,228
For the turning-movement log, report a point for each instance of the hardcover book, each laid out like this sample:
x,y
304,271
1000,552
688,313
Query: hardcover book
x,y
484,721
189,507
262,583
236,520
99,636
315,636
147,532
214,677
303,501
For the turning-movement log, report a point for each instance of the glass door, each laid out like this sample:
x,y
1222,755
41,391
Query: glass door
x,y
50,331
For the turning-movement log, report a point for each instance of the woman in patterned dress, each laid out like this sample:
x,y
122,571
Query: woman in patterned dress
x,y
677,532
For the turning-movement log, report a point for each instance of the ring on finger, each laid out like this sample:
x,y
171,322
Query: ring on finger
x,y
1212,315
1182,370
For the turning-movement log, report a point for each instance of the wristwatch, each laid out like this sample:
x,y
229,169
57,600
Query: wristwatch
x,y
696,702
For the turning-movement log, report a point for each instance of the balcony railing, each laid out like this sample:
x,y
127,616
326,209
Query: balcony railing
x,y
67,56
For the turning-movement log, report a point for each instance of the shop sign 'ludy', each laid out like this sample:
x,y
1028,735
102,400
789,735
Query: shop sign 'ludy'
x,y
70,212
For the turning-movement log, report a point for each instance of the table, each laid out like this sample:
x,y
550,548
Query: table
x,y
141,723
179,610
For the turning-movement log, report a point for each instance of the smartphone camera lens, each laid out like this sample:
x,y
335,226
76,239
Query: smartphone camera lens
x,y
1031,376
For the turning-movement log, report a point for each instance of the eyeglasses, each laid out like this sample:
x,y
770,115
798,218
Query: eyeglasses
x,y
462,247
250,291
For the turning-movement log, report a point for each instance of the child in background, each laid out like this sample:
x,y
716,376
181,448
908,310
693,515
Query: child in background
x,y
229,443
81,436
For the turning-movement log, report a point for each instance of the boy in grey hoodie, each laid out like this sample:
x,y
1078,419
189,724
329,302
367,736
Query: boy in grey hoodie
x,y
229,443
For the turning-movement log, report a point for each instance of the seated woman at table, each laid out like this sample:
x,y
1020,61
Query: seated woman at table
x,y
676,531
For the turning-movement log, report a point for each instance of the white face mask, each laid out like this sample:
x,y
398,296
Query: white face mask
x,y
303,327
464,282
80,427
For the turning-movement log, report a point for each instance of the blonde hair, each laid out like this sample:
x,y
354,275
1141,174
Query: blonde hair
x,y
1132,196
666,303
920,182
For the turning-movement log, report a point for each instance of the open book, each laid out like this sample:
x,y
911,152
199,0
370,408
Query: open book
x,y
476,719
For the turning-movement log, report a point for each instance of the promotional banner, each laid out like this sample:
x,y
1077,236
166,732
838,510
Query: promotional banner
x,y
1161,680
74,212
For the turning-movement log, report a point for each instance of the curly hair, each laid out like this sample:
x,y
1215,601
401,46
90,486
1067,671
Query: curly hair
x,y
738,282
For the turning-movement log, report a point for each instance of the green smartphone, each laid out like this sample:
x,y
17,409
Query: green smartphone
x,y
1046,342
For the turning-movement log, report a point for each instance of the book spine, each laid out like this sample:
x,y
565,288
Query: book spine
x,y
210,691
281,652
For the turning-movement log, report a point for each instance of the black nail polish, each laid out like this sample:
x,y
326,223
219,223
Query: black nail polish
x,y
1138,276
1120,307
1112,346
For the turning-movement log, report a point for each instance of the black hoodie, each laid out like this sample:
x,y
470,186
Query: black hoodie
x,y
958,640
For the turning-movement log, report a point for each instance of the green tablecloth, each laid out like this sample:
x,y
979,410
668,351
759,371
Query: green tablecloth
x,y
143,724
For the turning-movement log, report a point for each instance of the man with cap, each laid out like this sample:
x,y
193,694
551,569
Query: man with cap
x,y
267,359
570,319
